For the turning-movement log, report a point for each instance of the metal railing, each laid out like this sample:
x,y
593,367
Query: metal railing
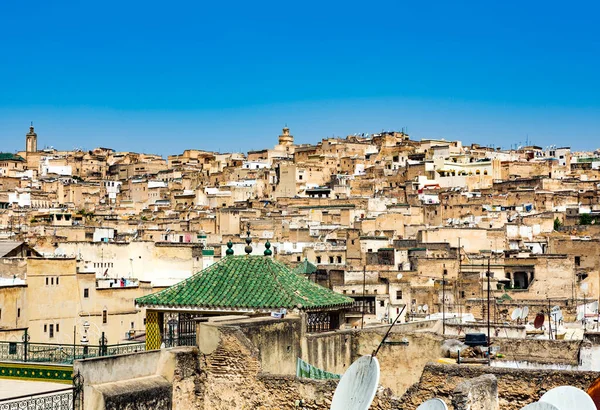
x,y
181,340
62,353
61,399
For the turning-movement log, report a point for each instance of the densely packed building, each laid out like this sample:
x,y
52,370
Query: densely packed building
x,y
398,225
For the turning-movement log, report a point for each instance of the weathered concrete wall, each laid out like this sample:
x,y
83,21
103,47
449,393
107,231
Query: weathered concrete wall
x,y
540,351
234,377
329,351
277,341
516,387
158,379
401,365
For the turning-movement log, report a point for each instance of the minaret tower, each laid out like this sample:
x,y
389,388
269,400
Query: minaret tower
x,y
285,138
31,140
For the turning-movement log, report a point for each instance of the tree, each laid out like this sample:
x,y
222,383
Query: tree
x,y
557,224
585,219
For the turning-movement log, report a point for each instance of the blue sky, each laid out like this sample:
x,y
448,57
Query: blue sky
x,y
164,76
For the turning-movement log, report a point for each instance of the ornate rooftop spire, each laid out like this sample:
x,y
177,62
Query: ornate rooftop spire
x,y
248,248
229,251
268,251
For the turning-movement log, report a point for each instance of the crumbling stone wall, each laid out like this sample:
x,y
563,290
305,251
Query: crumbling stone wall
x,y
234,378
480,393
516,387
401,364
539,350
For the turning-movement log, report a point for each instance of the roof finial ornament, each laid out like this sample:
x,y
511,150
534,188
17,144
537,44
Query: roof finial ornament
x,y
229,251
248,248
268,251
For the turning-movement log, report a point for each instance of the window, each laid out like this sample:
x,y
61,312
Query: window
x,y
318,259
86,293
18,312
46,281
398,294
45,329
57,280
331,259
381,303
51,331
297,258
300,177
132,325
375,291
339,259
57,328
0,313
52,281
577,260
104,317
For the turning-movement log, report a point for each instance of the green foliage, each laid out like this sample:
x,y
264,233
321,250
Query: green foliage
x,y
144,218
585,219
557,224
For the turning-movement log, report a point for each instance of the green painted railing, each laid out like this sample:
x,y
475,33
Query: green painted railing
x,y
62,353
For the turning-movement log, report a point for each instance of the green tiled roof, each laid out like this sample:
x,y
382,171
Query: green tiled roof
x,y
304,268
7,156
245,282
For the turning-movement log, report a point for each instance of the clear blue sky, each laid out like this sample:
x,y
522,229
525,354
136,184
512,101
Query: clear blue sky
x,y
164,76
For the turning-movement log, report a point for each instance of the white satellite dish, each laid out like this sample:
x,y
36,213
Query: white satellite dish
x,y
568,398
516,314
584,287
356,390
540,405
399,276
556,313
433,404
425,307
524,312
419,308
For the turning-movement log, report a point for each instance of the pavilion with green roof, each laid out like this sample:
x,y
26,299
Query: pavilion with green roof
x,y
305,268
248,284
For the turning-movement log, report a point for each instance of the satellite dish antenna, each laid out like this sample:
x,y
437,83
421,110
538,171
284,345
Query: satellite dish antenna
x,y
539,320
524,312
556,313
568,397
399,276
420,308
516,314
584,287
356,390
425,307
540,405
433,404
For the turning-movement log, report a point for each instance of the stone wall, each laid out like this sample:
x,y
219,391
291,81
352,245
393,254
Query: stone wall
x,y
480,393
235,380
516,387
539,351
329,351
401,364
158,379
